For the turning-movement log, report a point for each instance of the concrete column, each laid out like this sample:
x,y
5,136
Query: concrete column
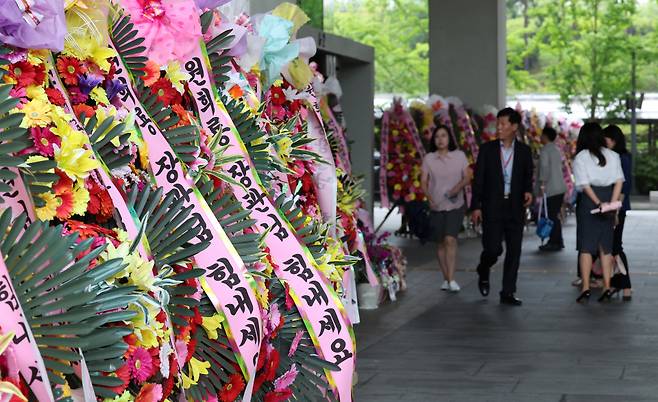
x,y
263,6
467,50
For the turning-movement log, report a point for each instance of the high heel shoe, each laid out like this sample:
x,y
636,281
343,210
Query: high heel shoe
x,y
584,296
606,296
614,291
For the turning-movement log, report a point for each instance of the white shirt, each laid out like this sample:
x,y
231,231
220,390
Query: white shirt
x,y
587,171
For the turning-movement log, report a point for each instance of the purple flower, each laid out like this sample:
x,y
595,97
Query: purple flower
x,y
113,87
88,82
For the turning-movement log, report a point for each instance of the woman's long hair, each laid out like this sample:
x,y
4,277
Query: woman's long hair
x,y
614,133
591,139
451,141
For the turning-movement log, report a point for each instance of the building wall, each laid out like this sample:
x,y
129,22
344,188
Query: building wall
x,y
467,50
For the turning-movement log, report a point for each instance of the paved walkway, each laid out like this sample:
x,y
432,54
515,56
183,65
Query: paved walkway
x,y
436,346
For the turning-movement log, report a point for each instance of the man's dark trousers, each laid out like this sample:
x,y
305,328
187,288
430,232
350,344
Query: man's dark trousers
x,y
509,228
554,206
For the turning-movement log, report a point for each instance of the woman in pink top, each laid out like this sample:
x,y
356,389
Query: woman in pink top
x,y
445,173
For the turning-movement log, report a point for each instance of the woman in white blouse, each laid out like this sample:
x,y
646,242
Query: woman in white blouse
x,y
600,177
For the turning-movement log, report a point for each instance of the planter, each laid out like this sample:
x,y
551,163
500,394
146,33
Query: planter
x,y
368,296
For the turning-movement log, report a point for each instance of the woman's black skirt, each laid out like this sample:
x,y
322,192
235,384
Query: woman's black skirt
x,y
595,230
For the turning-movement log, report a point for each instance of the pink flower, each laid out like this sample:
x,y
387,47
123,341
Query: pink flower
x,y
44,139
171,28
141,365
295,343
286,379
150,393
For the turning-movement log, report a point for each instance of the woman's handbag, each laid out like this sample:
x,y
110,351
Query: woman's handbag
x,y
544,225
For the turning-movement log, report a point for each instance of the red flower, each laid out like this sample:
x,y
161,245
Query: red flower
x,y
232,390
271,365
24,73
55,97
152,73
88,230
278,396
165,92
277,96
100,203
83,108
69,69
44,139
77,96
123,373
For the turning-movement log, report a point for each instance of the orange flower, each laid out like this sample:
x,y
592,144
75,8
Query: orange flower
x,y
70,68
81,108
152,71
236,92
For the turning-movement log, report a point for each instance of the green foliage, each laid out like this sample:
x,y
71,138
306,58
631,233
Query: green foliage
x,y
581,49
398,30
646,172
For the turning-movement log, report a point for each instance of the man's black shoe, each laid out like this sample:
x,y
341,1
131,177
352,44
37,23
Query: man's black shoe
x,y
510,299
551,247
483,285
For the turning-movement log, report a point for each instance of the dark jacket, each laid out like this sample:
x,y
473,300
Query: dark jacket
x,y
488,185
627,167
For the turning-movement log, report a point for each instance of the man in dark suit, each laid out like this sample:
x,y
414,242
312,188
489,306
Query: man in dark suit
x,y
502,190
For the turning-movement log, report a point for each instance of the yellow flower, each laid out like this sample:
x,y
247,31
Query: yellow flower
x,y
37,113
80,198
284,148
6,387
125,397
72,158
36,92
48,211
212,324
147,334
262,295
196,368
176,75
99,95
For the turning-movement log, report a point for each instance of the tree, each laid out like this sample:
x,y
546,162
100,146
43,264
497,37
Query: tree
x,y
591,42
398,30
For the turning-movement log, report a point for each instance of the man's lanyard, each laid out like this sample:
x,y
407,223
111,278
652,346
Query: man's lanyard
x,y
506,162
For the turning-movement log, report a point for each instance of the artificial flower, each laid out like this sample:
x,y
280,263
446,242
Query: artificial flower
x,y
49,210
278,396
36,92
77,96
236,92
272,365
151,73
99,95
100,204
195,369
72,157
88,82
277,96
113,88
150,393
83,109
37,113
170,29
165,92
232,390
80,198
141,365
55,96
286,379
176,75
44,139
212,324
24,74
70,69
295,343
65,209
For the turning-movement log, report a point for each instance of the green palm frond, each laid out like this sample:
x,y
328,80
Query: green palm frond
x,y
311,379
234,219
101,136
13,138
311,234
3,61
64,302
128,44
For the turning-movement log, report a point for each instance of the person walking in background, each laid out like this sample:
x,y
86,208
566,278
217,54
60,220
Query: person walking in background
x,y
502,190
550,183
600,177
616,141
445,173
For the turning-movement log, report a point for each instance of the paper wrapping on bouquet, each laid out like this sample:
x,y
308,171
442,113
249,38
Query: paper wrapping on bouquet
x,y
12,319
226,281
123,214
322,312
324,177
383,160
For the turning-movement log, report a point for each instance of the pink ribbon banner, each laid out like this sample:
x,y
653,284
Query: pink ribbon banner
x,y
226,281
12,319
17,198
343,158
323,314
